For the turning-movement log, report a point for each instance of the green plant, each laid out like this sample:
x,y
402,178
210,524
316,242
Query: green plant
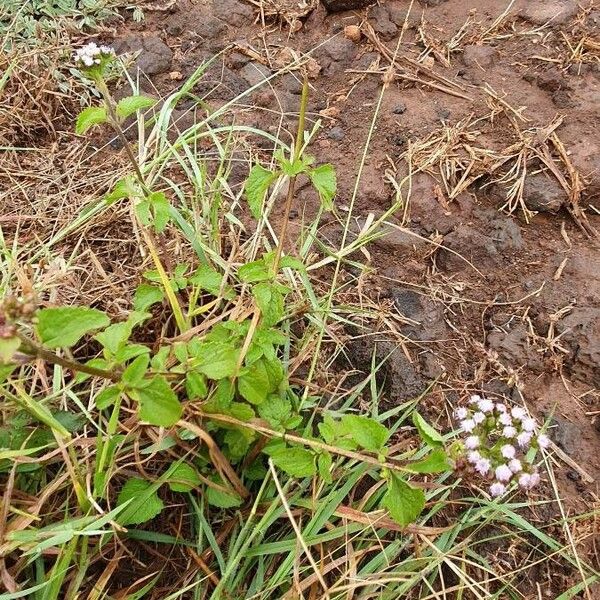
x,y
197,400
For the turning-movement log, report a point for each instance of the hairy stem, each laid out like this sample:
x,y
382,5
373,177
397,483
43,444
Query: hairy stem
x,y
31,348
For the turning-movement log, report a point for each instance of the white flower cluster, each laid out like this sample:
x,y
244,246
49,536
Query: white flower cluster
x,y
91,54
496,443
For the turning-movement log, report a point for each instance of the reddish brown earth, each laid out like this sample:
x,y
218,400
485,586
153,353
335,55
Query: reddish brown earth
x,y
494,302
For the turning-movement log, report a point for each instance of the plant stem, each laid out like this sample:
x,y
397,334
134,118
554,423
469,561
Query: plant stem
x,y
182,323
292,183
31,348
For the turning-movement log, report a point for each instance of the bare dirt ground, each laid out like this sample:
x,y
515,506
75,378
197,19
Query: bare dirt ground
x,y
493,109
501,111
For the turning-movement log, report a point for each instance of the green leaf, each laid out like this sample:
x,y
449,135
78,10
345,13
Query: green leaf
x,y
145,503
290,262
254,383
135,372
254,271
366,432
324,463
8,347
184,478
160,209
107,397
256,188
276,410
63,327
88,117
404,502
222,499
131,104
146,296
216,360
428,434
238,442
270,301
124,188
297,462
158,403
208,279
195,386
435,462
324,180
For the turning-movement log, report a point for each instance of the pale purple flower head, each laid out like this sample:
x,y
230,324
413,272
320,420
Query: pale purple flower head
x,y
509,432
515,465
461,413
503,473
483,466
467,425
475,398
485,405
91,54
500,407
472,442
478,417
529,480
497,489
505,419
473,457
518,413
543,441
528,424
508,451
524,438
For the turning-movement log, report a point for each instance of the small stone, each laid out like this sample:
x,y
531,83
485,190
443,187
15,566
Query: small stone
x,y
338,49
543,193
551,80
255,73
233,12
341,5
352,32
379,17
236,60
156,56
399,108
336,133
479,56
557,12
176,75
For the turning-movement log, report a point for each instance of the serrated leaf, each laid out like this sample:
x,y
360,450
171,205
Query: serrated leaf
x,y
158,403
291,262
216,360
64,326
88,117
297,462
208,279
366,432
184,478
428,434
404,502
8,347
107,397
160,207
195,386
238,442
324,463
276,410
324,180
270,301
254,271
135,372
435,462
146,296
131,104
254,383
145,503
124,188
256,188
